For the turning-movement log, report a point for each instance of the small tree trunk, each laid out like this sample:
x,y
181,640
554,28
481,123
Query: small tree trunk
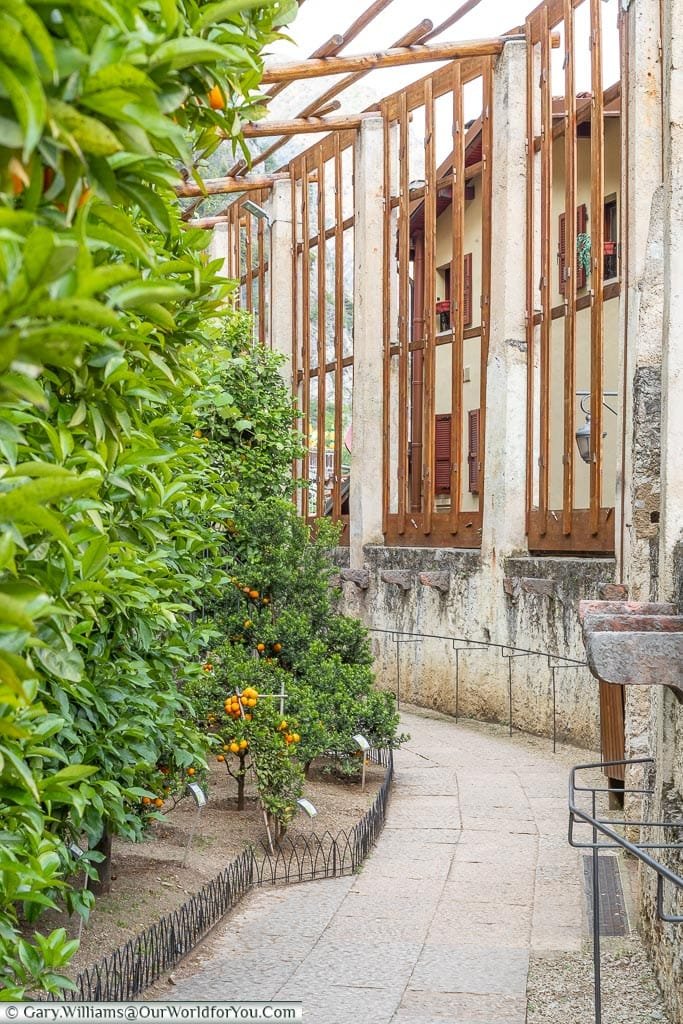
x,y
241,783
104,867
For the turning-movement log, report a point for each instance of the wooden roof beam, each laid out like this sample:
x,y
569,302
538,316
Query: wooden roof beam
x,y
303,126
392,58
223,186
413,36
318,105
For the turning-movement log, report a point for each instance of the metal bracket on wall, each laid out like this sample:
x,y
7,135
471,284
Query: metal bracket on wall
x,y
471,646
398,639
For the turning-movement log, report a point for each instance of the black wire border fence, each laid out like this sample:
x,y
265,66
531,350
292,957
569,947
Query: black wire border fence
x,y
140,962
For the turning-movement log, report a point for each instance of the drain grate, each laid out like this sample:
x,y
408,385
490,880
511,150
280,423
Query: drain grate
x,y
613,914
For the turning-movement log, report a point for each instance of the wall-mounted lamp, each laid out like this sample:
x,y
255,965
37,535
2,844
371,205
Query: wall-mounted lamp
x,y
255,210
583,434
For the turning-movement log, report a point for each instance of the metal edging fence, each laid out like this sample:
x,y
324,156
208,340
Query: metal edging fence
x,y
140,962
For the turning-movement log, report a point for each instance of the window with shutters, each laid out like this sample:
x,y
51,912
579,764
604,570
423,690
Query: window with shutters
x,y
442,461
581,225
473,449
467,300
611,260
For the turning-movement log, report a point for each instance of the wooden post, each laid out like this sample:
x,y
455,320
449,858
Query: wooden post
x,y
546,313
338,327
597,235
570,280
306,329
386,326
487,256
262,263
322,339
403,308
457,297
430,304
297,494
530,271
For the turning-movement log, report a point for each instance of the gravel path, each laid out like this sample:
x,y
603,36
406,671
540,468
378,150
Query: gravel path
x,y
471,894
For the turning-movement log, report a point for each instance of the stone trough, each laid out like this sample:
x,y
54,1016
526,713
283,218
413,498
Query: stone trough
x,y
634,643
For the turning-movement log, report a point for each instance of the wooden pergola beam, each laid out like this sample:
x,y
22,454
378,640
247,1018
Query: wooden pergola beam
x,y
392,58
223,186
303,126
320,103
410,38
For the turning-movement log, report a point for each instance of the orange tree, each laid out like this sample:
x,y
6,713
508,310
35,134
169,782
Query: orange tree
x,y
282,633
110,512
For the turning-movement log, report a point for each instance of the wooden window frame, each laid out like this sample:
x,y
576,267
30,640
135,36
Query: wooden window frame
x,y
569,529
411,515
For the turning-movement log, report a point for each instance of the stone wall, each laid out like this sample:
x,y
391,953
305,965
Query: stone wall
x,y
429,597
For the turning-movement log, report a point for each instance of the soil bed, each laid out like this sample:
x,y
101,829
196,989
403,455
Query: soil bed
x,y
149,880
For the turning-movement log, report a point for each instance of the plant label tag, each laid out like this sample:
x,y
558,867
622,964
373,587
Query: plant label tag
x,y
361,741
198,793
308,807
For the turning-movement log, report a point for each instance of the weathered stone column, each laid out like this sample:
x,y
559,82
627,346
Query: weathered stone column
x,y
218,246
365,503
505,481
279,210
641,318
671,530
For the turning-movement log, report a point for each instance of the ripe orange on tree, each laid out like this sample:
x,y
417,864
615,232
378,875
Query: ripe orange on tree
x,y
191,771
158,802
216,98
260,647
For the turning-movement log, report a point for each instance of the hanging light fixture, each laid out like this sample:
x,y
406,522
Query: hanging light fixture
x,y
583,434
583,440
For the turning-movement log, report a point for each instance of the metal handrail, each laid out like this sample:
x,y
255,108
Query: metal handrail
x,y
605,827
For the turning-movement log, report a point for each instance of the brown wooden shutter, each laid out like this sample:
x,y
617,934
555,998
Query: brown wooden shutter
x,y
474,451
467,297
581,225
562,251
442,460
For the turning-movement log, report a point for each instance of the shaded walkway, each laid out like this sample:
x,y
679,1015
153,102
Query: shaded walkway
x,y
471,875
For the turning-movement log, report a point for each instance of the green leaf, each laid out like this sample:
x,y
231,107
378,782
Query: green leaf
x,y
213,14
95,557
26,95
188,52
21,769
69,775
90,135
13,613
169,12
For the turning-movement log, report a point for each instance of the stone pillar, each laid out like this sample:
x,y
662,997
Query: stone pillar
x,y
218,246
279,209
671,529
365,502
505,481
637,499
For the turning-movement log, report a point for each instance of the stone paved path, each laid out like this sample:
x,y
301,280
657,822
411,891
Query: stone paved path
x,y
470,877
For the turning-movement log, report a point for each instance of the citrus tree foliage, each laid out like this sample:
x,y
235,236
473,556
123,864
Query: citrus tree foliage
x,y
282,635
109,507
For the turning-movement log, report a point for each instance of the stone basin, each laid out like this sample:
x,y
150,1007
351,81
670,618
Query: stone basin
x,y
634,643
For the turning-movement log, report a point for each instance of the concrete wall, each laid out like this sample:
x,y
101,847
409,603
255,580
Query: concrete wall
x,y
652,485
523,602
